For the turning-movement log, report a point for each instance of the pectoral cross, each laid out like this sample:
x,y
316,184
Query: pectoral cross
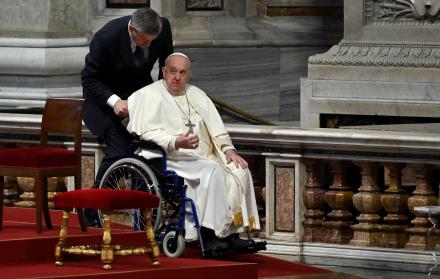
x,y
190,126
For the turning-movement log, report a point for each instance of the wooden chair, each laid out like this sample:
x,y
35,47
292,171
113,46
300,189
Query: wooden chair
x,y
60,117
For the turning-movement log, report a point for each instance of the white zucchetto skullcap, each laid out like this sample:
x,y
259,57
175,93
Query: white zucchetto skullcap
x,y
179,54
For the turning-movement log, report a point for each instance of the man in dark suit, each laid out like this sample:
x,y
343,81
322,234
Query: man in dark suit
x,y
122,55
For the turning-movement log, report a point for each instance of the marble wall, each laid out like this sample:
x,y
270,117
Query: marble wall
x,y
263,81
60,18
242,57
387,65
42,49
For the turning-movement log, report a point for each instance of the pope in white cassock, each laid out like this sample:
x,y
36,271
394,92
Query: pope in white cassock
x,y
182,119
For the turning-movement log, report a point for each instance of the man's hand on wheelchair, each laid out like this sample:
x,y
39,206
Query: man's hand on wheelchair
x,y
232,156
121,108
187,140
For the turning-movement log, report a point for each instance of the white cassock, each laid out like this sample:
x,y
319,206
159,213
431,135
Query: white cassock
x,y
223,194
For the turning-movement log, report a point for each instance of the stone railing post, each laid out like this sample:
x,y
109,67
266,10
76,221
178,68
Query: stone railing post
x,y
314,201
422,196
394,200
339,198
367,201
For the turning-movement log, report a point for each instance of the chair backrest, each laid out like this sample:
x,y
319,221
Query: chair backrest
x,y
63,116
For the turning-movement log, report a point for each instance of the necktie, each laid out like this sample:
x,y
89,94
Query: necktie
x,y
139,57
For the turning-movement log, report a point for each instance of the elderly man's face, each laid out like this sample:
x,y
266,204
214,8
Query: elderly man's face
x,y
176,74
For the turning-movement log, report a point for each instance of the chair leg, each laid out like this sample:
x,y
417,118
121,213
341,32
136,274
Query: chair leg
x,y
154,254
80,211
63,238
38,184
2,183
107,249
46,204
41,203
82,219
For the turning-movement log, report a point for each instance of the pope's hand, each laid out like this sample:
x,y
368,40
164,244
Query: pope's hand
x,y
187,140
121,108
232,156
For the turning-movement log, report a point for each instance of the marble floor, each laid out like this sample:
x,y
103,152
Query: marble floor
x,y
380,274
348,272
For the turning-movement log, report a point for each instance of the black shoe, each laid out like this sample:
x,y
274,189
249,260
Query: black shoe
x,y
92,218
254,247
245,246
215,244
213,247
237,243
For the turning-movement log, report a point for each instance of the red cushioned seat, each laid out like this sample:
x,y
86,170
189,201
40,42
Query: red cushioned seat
x,y
106,199
38,157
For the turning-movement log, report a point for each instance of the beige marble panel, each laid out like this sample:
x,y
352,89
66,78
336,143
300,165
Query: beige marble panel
x,y
284,199
88,172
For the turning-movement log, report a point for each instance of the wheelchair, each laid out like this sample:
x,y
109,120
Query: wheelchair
x,y
137,173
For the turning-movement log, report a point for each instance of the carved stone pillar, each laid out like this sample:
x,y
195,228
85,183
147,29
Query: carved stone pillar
x,y
27,198
367,201
394,201
339,198
314,201
422,196
10,192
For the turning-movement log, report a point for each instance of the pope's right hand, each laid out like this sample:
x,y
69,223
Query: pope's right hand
x,y
187,140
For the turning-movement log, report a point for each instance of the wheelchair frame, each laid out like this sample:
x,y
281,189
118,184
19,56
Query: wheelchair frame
x,y
134,173
170,233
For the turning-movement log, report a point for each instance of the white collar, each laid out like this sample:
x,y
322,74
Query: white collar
x,y
132,43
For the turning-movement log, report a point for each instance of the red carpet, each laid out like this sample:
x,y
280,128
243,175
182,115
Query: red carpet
x,y
24,254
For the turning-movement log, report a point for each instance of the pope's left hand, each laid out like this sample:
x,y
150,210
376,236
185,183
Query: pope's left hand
x,y
232,156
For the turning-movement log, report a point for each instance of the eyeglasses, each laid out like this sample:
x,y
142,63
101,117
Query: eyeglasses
x,y
173,72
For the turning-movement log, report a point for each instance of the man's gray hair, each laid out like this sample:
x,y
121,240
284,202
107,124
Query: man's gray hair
x,y
147,21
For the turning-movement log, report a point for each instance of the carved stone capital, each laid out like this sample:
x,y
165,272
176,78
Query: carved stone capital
x,y
402,12
380,55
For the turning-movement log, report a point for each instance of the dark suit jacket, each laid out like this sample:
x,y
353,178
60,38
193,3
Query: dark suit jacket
x,y
110,69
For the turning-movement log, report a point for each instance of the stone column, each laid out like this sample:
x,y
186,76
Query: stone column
x,y
339,198
367,201
394,201
422,196
42,49
314,201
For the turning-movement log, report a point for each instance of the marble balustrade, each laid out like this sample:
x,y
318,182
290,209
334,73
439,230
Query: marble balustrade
x,y
321,192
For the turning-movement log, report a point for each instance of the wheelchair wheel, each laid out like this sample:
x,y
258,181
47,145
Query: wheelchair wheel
x,y
173,246
131,174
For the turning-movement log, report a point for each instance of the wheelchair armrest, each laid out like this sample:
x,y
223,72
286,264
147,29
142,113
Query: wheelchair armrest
x,y
150,145
135,144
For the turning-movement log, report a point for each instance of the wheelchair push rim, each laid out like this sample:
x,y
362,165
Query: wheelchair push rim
x,y
132,174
